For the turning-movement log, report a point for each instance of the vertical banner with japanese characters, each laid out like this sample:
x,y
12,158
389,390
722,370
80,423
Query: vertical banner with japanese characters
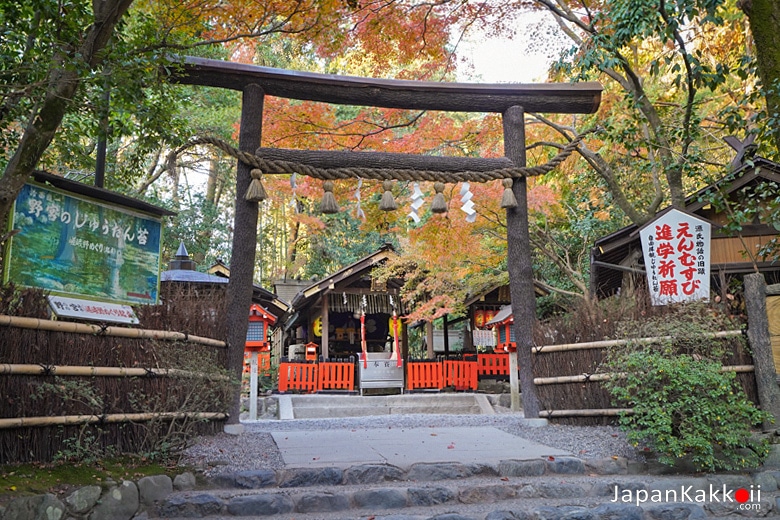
x,y
676,249
76,247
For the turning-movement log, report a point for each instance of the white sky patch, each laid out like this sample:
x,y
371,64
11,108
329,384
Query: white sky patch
x,y
523,59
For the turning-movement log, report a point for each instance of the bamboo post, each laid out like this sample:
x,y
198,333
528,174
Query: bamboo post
x,y
595,378
121,332
91,371
22,422
567,347
593,412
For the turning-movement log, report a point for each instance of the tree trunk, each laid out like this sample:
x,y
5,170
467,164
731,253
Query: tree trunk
x,y
758,336
63,84
211,181
764,18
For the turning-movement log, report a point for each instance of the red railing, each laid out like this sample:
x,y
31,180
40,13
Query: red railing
x,y
460,374
298,376
492,365
426,374
336,376
432,375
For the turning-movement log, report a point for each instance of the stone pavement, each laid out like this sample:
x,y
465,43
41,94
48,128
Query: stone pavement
x,y
403,447
431,473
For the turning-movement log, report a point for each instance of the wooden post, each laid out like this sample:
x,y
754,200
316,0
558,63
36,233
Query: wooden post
x,y
325,324
760,344
253,387
404,341
429,339
521,275
446,337
242,258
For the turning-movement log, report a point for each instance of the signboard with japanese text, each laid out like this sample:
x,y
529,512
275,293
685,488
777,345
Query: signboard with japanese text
x,y
64,307
73,246
676,249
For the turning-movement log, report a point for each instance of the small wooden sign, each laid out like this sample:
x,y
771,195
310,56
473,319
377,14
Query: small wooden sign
x,y
64,307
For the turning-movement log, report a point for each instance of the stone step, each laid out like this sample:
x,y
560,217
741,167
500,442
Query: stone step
x,y
323,405
318,412
564,487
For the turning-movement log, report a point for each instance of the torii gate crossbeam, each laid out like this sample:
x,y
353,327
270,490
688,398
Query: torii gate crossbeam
x,y
510,100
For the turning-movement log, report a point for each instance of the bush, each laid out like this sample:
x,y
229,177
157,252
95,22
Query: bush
x,y
684,405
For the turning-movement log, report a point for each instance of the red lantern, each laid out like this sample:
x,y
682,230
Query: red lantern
x,y
479,319
257,332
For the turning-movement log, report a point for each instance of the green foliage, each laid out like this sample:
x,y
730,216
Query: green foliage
x,y
341,243
205,230
684,405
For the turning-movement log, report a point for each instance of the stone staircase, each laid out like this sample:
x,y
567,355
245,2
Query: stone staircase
x,y
552,488
317,406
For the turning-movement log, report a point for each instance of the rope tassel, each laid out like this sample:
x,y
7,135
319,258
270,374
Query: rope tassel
x,y
329,205
439,204
256,192
388,203
508,199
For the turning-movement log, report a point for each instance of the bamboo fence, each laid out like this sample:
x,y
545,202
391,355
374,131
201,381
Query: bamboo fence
x,y
568,377
117,387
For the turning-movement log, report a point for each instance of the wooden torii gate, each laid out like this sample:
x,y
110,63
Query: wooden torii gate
x,y
509,100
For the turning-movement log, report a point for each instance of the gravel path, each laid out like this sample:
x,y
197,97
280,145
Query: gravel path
x,y
256,449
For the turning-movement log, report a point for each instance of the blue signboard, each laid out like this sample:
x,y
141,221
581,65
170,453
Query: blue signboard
x,y
77,247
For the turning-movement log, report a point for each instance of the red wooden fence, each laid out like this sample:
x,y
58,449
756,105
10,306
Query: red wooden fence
x,y
493,365
460,374
434,375
336,376
298,376
426,374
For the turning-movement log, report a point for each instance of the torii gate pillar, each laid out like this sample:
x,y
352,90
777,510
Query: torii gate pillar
x,y
242,263
521,275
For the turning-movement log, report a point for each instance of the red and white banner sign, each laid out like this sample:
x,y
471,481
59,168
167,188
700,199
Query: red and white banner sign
x,y
64,307
676,249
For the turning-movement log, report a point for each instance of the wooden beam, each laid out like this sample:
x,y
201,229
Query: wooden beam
x,y
560,98
358,290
